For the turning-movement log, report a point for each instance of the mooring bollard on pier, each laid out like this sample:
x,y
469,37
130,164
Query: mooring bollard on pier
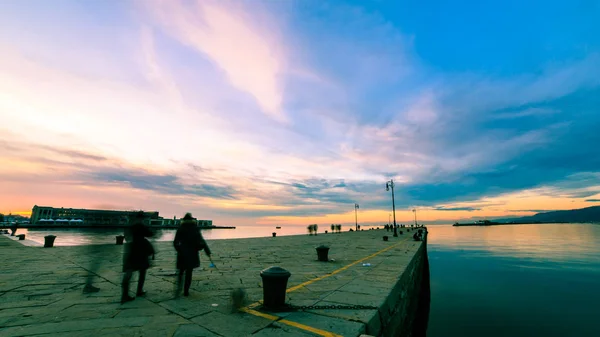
x,y
120,239
322,253
385,238
275,281
274,234
49,241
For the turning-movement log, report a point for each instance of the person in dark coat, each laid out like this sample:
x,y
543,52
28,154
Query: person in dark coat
x,y
188,243
136,256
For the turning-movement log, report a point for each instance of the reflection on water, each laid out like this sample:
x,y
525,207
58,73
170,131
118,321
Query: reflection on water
x,y
85,236
556,242
519,280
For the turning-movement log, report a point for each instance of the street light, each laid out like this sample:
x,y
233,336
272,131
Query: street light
x,y
415,211
387,188
356,215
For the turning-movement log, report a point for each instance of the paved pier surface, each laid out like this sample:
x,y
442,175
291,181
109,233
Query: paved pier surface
x,y
41,288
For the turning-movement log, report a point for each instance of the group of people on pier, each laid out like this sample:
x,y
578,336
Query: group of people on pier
x,y
188,243
389,227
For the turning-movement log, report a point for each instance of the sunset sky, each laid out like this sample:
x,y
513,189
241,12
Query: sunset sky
x,y
275,112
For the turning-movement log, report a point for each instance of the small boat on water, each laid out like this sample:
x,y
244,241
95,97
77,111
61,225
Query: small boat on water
x,y
278,227
478,223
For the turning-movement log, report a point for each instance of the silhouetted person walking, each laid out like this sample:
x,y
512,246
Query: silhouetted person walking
x,y
137,253
188,243
94,253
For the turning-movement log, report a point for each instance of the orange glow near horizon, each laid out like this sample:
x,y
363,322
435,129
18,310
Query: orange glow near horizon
x,y
528,241
115,197
521,204
21,213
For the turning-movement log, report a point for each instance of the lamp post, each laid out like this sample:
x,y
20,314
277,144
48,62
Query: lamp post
x,y
356,216
387,188
415,212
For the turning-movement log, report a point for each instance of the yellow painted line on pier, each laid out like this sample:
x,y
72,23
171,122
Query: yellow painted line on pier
x,y
254,305
260,314
290,323
294,288
309,328
250,309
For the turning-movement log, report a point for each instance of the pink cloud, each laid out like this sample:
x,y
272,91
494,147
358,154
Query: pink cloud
x,y
251,57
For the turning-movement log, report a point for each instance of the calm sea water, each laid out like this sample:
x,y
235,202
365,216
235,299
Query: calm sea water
x,y
84,236
519,280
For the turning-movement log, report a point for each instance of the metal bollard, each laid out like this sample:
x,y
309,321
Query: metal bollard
x,y
21,237
274,287
322,252
385,238
49,241
120,239
274,234
400,232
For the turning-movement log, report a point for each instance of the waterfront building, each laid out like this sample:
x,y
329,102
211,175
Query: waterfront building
x,y
176,222
76,216
14,218
41,215
205,223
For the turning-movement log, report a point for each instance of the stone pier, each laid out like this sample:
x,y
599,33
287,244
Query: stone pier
x,y
41,289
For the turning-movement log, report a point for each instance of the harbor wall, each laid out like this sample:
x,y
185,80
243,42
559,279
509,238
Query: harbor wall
x,y
406,310
389,276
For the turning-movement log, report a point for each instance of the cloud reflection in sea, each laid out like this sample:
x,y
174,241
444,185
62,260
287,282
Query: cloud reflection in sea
x,y
521,280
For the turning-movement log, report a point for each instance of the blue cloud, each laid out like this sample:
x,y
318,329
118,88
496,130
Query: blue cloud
x,y
470,209
341,184
296,211
164,184
566,146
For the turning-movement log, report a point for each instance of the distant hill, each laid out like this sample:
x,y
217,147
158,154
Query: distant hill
x,y
588,214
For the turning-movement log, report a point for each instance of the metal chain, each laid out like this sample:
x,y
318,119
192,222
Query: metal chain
x,y
290,307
